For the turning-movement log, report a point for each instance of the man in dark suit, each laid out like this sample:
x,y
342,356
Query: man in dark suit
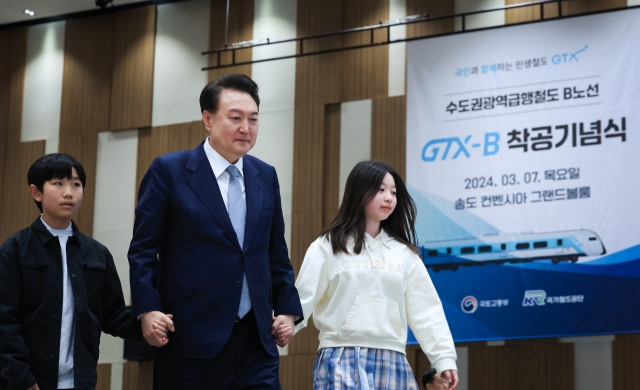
x,y
208,247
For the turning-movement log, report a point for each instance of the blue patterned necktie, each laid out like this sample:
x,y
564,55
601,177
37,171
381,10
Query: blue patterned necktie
x,y
237,214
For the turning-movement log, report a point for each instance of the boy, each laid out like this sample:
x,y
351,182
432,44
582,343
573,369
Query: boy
x,y
58,289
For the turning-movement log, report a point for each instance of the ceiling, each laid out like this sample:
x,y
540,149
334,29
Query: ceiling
x,y
12,11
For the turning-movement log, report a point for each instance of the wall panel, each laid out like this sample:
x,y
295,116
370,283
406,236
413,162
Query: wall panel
x,y
43,82
182,33
319,78
331,174
241,15
104,377
86,83
432,8
355,138
132,77
575,7
138,375
296,371
527,14
521,364
365,71
569,7
85,149
18,209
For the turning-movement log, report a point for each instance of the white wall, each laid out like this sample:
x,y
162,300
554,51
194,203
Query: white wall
x,y
276,20
631,3
593,362
114,213
355,137
397,51
42,97
487,19
182,34
463,368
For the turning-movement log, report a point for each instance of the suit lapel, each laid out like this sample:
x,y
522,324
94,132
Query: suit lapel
x,y
204,184
253,191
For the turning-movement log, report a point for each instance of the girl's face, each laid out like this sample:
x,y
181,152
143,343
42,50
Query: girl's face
x,y
383,203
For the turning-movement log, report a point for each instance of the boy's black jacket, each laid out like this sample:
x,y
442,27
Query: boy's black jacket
x,y
31,307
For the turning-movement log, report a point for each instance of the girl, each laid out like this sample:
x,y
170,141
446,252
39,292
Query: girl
x,y
364,282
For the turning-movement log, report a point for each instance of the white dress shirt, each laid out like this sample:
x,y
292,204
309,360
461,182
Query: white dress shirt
x,y
219,165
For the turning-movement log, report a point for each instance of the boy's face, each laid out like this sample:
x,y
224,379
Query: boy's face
x,y
60,198
438,383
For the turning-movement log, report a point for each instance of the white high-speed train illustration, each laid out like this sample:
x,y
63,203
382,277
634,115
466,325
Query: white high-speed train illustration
x,y
511,248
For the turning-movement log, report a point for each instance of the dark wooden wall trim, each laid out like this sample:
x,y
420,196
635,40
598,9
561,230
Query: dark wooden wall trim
x,y
132,75
86,98
626,361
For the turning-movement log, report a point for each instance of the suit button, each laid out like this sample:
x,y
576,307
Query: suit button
x,y
238,284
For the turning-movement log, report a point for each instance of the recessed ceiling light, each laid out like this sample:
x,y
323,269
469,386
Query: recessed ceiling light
x,y
29,12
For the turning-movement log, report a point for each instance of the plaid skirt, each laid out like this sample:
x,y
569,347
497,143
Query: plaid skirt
x,y
359,368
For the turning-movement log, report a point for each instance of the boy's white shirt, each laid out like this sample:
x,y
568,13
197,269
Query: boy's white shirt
x,y
67,329
367,299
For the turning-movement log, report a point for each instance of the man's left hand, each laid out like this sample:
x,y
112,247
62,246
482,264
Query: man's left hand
x,y
282,329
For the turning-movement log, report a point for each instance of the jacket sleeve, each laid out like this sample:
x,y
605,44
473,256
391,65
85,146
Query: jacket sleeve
x,y
149,232
285,295
312,281
14,356
116,317
426,318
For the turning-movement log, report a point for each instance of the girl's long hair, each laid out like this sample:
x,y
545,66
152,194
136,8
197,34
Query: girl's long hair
x,y
362,185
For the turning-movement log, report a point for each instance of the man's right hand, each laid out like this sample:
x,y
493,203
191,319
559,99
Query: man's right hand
x,y
34,387
150,328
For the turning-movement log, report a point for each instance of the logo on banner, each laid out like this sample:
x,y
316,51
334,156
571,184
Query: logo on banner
x,y
567,57
431,151
534,298
469,304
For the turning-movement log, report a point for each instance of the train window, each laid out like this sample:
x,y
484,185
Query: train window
x,y
540,244
432,253
467,249
448,251
593,239
522,245
503,247
560,242
484,248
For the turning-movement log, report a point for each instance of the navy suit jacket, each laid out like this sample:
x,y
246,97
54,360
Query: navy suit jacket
x,y
185,258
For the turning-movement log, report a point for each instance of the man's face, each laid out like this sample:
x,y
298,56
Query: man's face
x,y
234,128
438,383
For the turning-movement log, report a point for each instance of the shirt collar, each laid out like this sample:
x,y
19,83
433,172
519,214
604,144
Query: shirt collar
x,y
67,231
45,235
382,236
218,163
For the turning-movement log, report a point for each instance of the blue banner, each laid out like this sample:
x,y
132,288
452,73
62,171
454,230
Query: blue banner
x,y
522,159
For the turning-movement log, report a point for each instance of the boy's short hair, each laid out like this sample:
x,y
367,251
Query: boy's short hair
x,y
428,377
54,165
